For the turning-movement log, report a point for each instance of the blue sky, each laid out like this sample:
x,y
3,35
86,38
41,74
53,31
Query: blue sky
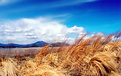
x,y
91,15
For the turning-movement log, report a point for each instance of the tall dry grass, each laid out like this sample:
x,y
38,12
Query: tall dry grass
x,y
8,67
96,56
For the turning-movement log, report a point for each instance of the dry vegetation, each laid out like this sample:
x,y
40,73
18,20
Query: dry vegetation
x,y
96,56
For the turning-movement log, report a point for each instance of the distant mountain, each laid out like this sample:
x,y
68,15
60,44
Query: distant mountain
x,y
12,45
36,44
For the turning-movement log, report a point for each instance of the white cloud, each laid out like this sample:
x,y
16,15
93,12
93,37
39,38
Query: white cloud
x,y
28,30
75,29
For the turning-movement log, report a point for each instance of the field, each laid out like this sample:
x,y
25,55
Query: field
x,y
96,56
21,52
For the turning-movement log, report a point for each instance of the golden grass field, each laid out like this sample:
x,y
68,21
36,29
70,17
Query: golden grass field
x,y
96,56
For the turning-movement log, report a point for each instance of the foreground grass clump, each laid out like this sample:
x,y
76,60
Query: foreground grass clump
x,y
96,56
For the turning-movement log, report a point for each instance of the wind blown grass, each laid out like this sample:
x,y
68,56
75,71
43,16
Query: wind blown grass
x,y
96,56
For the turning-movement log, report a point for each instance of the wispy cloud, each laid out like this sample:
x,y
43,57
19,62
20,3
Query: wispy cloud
x,y
27,30
4,2
58,3
43,5
62,3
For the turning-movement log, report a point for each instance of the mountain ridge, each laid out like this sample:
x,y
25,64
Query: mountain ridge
x,y
36,44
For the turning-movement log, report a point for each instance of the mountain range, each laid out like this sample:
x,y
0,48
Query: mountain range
x,y
36,44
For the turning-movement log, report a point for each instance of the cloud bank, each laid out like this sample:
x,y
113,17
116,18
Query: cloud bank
x,y
29,30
